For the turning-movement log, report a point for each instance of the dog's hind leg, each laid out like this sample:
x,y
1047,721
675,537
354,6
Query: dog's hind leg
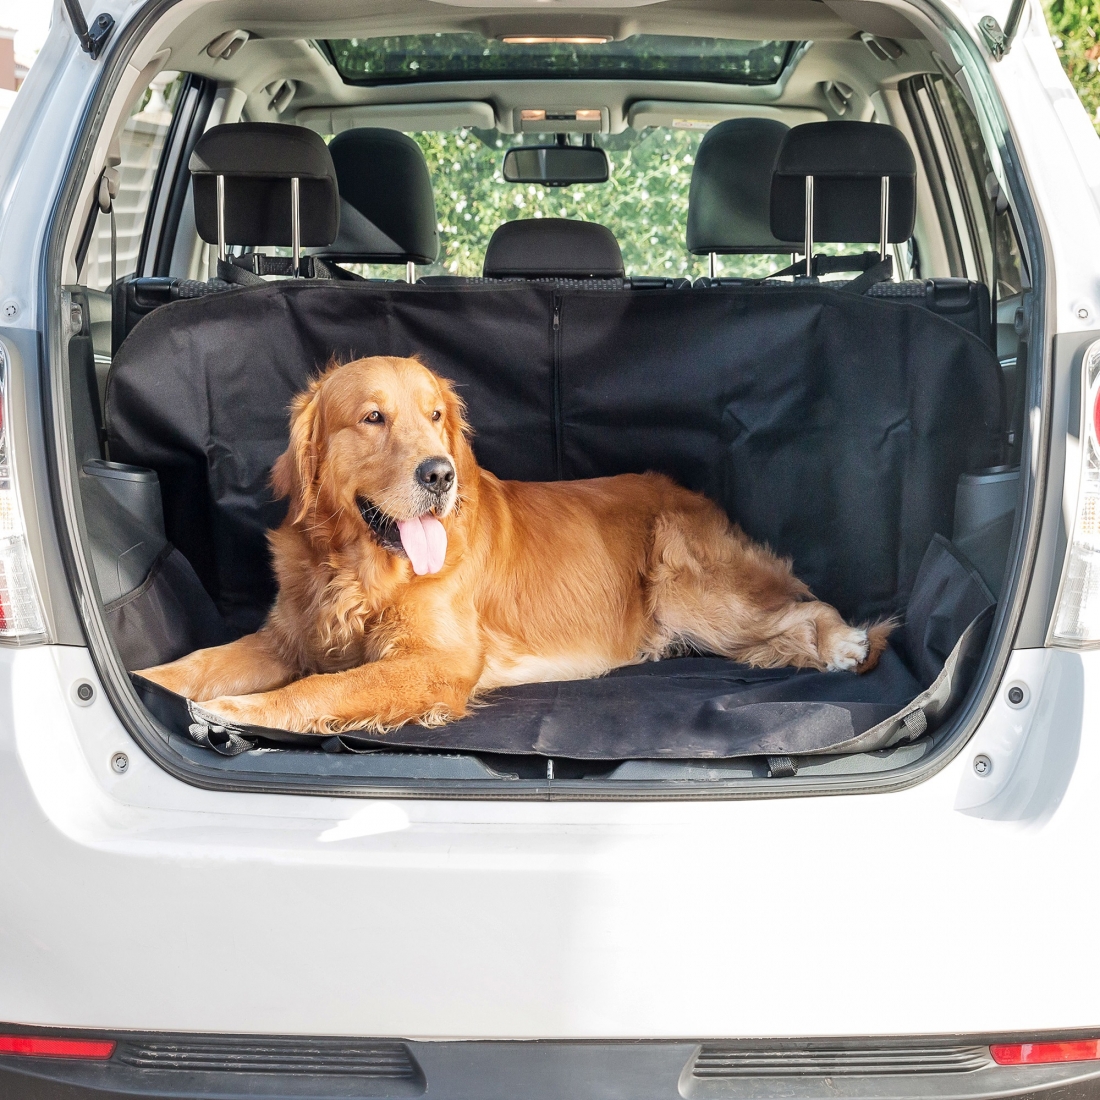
x,y
711,587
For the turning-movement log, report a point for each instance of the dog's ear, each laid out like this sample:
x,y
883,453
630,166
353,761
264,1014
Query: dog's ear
x,y
294,474
458,433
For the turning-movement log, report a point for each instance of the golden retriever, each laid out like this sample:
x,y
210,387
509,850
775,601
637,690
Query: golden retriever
x,y
412,581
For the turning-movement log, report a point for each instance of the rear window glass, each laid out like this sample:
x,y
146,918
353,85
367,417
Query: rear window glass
x,y
409,58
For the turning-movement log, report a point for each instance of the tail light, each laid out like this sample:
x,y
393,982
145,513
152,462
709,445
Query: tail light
x,y
1034,1054
1077,612
47,1046
21,620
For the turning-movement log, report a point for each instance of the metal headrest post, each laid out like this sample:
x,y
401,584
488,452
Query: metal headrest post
x,y
884,216
295,226
410,271
809,226
712,264
221,218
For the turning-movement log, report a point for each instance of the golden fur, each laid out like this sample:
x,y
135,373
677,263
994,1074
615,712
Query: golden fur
x,y
541,581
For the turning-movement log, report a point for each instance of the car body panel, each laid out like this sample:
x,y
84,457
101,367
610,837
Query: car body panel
x,y
138,901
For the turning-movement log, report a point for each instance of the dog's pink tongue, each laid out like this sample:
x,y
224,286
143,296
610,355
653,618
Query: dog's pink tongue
x,y
425,541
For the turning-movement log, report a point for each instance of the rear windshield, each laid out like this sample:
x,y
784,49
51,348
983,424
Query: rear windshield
x,y
410,58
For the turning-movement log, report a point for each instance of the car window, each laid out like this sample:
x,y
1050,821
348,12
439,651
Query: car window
x,y
974,217
141,145
644,203
466,55
998,243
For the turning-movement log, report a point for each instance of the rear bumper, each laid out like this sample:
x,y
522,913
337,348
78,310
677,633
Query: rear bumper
x,y
162,1065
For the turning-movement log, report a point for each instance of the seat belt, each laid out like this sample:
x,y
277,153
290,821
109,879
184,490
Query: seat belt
x,y
827,265
250,268
878,273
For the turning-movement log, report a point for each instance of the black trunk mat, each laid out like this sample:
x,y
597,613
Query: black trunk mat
x,y
695,708
683,708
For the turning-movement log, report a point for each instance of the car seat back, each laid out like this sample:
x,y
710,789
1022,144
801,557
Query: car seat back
x,y
387,207
729,204
833,426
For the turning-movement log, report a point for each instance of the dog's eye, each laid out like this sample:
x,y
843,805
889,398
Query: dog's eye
x,y
437,414
373,417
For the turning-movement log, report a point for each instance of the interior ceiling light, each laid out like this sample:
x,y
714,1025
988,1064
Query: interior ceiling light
x,y
561,115
548,39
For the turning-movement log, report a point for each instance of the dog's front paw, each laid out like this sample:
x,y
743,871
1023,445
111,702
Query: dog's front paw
x,y
233,710
262,709
844,649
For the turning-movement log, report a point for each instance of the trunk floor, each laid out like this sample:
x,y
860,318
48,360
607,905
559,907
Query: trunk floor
x,y
681,708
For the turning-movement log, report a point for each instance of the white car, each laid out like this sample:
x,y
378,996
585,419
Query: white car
x,y
832,263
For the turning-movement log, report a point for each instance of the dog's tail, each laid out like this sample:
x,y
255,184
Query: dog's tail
x,y
877,633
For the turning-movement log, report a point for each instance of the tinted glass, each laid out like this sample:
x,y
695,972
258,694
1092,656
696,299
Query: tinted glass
x,y
460,56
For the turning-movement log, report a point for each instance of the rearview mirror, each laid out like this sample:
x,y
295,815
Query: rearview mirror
x,y
556,165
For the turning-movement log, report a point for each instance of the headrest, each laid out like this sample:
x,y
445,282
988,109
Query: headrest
x,y
387,209
258,161
847,161
547,247
731,184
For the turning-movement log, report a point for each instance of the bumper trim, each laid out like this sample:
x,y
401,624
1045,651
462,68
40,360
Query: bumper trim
x,y
159,1065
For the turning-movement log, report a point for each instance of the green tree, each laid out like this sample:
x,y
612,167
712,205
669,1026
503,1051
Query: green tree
x,y
644,203
1075,31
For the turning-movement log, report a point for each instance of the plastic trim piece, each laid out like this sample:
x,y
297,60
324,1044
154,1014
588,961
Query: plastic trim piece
x,y
156,1065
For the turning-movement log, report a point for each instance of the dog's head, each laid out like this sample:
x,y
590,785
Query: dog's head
x,y
381,442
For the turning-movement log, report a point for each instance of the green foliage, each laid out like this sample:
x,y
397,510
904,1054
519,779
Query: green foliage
x,y
644,204
1075,30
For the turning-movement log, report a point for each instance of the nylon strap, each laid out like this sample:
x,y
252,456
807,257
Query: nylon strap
x,y
781,767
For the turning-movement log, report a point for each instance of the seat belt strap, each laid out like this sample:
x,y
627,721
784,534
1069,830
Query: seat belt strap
x,y
879,273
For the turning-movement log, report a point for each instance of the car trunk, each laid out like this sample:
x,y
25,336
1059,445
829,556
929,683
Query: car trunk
x,y
862,436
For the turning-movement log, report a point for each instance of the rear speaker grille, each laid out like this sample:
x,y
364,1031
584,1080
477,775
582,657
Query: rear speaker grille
x,y
715,1061
316,1056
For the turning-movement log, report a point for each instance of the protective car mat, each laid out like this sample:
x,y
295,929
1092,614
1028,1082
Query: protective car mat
x,y
694,708
682,708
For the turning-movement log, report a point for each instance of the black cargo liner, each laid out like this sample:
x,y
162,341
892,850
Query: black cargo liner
x,y
831,426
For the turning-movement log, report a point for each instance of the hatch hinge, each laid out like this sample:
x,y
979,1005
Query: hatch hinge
x,y
92,39
997,39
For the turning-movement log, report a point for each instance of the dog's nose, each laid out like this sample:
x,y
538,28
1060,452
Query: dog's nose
x,y
437,475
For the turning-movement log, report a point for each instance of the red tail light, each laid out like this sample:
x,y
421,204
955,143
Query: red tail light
x,y
1032,1054
46,1046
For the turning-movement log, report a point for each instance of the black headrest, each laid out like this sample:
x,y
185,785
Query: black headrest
x,y
546,247
387,209
258,161
847,161
731,185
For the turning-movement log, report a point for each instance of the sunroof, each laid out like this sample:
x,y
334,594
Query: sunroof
x,y
414,58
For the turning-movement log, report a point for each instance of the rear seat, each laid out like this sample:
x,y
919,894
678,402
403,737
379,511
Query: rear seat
x,y
257,162
832,425
847,162
730,197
